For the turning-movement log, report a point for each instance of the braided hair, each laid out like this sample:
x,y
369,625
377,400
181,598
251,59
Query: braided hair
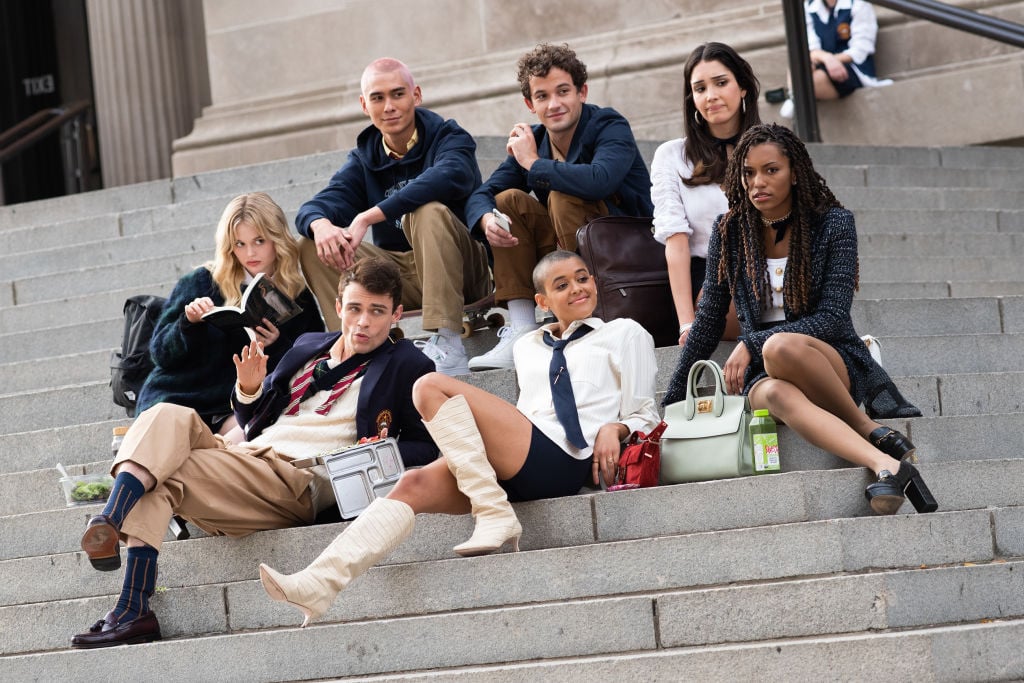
x,y
705,154
811,200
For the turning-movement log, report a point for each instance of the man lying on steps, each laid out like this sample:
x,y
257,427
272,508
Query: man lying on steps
x,y
328,391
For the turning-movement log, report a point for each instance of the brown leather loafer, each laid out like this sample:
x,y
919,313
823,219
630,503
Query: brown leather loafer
x,y
101,542
107,632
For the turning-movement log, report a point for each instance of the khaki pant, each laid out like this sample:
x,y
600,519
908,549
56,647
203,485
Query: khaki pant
x,y
540,230
445,270
223,489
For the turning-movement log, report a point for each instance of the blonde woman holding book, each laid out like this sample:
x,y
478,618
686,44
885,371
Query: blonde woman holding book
x,y
192,359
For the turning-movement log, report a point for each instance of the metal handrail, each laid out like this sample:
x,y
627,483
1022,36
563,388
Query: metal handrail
x,y
1002,30
36,127
969,21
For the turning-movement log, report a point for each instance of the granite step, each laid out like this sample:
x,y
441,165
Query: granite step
x,y
943,654
534,587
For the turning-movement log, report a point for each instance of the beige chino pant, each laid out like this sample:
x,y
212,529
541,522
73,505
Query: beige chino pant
x,y
540,231
445,270
223,489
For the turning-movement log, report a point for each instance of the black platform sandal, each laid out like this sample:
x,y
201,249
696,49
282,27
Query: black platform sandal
x,y
894,444
887,494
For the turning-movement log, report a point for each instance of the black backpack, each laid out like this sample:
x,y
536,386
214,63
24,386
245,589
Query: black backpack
x,y
131,364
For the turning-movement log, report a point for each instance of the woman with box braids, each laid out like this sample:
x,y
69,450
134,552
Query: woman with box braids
x,y
811,200
786,255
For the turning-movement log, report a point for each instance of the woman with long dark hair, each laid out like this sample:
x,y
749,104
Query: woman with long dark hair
x,y
786,255
719,105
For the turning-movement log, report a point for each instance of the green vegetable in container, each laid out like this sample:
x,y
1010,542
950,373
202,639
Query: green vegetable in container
x,y
89,491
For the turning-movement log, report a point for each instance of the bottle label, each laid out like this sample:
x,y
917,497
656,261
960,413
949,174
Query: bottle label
x,y
766,452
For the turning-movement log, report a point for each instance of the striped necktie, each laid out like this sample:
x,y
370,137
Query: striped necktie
x,y
301,383
339,388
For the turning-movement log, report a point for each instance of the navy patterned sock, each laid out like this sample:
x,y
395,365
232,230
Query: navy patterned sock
x,y
139,583
125,493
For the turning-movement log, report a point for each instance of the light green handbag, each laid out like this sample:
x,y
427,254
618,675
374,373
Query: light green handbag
x,y
707,436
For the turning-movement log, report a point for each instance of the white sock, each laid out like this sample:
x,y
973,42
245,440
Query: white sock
x,y
453,337
522,312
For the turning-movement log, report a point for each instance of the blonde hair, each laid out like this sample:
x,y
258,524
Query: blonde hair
x,y
268,219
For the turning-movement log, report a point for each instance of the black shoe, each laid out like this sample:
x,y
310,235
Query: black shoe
x,y
108,632
887,494
894,444
102,543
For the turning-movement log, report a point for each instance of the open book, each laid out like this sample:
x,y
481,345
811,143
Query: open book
x,y
262,299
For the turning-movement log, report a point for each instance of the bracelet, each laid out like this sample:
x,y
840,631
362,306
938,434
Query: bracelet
x,y
684,327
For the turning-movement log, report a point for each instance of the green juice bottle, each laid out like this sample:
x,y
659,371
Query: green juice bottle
x,y
765,443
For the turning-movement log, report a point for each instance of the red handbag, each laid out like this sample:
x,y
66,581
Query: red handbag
x,y
640,461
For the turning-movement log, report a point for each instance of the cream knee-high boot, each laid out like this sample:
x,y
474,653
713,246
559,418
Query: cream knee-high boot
x,y
372,536
456,434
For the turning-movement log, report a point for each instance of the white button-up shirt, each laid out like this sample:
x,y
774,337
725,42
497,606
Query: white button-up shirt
x,y
613,372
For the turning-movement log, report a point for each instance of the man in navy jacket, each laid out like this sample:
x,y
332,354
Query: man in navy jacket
x,y
328,391
408,179
580,162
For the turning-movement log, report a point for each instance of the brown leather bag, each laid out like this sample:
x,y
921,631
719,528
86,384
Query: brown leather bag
x,y
632,276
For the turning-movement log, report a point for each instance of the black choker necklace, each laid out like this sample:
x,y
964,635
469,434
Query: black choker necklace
x,y
725,142
779,225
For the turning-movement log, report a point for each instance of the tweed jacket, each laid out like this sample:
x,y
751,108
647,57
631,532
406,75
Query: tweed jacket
x,y
833,278
385,394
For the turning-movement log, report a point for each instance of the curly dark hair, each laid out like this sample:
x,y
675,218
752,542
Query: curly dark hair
x,y
811,200
377,276
541,59
708,158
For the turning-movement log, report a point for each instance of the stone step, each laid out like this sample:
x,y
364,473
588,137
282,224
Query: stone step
x,y
94,323
856,198
99,202
54,371
49,235
198,239
76,309
911,246
71,444
936,654
938,290
948,222
124,265
963,239
941,268
536,588
949,438
871,175
927,356
756,501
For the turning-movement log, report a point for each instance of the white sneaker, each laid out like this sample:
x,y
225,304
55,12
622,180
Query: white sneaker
x,y
500,357
448,359
787,108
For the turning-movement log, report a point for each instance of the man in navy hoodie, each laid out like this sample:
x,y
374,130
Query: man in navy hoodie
x,y
579,162
408,179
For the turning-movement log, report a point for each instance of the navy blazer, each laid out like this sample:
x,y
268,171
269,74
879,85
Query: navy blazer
x,y
833,280
385,394
603,163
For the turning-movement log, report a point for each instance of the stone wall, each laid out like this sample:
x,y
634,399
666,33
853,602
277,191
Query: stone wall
x,y
284,76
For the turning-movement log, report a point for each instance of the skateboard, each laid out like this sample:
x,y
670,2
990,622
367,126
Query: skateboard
x,y
475,314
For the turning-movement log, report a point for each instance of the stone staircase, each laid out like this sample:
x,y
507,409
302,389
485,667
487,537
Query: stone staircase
x,y
784,577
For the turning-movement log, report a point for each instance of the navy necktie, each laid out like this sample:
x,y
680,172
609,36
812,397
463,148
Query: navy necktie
x,y
561,387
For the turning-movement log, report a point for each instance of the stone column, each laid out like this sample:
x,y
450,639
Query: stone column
x,y
150,80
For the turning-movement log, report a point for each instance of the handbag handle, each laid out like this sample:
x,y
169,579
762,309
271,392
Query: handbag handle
x,y
691,387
